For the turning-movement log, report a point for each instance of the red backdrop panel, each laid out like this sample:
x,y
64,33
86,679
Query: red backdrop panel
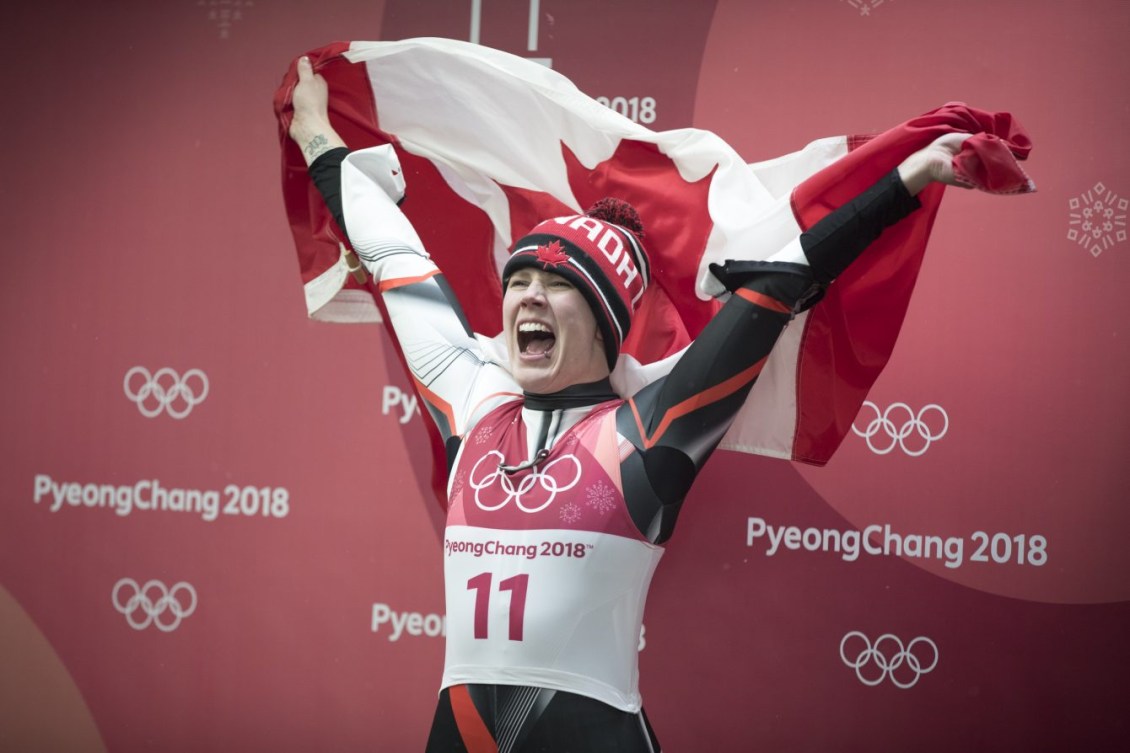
x,y
213,533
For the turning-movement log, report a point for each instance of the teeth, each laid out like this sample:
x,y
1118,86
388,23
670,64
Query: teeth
x,y
534,327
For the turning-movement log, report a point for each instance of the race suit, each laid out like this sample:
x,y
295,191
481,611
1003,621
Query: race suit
x,y
559,504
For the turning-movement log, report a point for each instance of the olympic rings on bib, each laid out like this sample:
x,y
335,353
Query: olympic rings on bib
x,y
551,481
912,423
165,391
888,665
154,603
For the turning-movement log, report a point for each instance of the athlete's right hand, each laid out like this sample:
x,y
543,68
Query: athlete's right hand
x,y
310,127
311,94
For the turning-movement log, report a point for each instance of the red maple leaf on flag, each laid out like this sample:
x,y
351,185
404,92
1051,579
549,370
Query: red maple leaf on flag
x,y
459,234
838,351
676,226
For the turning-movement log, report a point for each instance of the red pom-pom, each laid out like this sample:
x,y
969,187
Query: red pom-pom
x,y
618,212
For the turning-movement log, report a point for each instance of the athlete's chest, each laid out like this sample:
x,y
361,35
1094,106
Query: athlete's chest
x,y
575,485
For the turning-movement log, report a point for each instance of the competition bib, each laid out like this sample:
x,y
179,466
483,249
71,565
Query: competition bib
x,y
546,574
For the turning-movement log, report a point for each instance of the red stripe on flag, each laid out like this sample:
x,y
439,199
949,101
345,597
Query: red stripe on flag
x,y
353,114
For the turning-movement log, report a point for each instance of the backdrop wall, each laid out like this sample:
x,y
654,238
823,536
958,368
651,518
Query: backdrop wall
x,y
252,562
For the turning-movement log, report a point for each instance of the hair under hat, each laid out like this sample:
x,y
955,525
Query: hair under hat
x,y
601,252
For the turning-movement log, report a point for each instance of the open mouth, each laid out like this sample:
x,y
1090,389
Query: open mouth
x,y
535,339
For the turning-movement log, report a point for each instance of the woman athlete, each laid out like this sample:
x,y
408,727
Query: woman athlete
x,y
560,491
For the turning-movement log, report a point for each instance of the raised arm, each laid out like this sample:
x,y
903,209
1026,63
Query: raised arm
x,y
455,379
676,422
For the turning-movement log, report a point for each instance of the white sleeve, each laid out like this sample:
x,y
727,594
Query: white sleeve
x,y
457,378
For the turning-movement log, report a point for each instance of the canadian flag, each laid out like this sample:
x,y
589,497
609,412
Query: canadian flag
x,y
491,144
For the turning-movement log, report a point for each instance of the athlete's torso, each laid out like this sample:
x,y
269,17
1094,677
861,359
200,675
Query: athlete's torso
x,y
546,572
672,422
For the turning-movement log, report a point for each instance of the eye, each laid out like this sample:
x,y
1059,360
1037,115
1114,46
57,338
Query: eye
x,y
561,284
517,283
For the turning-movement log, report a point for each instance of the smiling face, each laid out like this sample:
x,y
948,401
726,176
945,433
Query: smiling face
x,y
550,332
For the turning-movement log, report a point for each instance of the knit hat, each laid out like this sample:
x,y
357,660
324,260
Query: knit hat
x,y
602,254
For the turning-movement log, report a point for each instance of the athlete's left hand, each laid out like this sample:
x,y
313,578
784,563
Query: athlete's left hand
x,y
933,163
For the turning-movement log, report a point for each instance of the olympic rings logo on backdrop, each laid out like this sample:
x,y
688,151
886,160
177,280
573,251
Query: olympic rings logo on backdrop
x,y
154,603
165,390
929,424
905,665
548,480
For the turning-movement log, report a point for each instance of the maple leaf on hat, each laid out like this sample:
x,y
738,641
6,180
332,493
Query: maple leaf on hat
x,y
552,255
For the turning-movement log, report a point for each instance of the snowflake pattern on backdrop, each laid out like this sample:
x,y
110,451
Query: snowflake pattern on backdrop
x,y
483,434
225,13
601,496
864,6
1097,219
570,513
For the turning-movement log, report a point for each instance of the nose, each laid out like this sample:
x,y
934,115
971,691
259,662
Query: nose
x,y
534,294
